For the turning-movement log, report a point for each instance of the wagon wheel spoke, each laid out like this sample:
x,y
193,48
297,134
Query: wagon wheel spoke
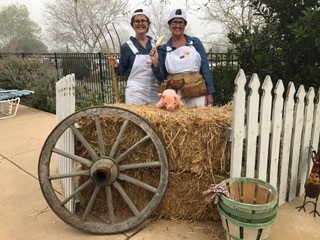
x,y
110,204
90,204
78,190
139,165
126,198
98,183
68,175
131,149
84,142
137,182
73,157
100,137
119,137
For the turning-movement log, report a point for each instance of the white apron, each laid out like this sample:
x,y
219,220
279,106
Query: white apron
x,y
185,59
142,86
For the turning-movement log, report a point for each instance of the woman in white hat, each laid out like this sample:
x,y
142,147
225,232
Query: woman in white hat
x,y
135,61
183,65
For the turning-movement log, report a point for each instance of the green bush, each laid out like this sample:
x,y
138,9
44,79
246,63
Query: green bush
x,y
44,97
91,99
31,74
79,66
224,77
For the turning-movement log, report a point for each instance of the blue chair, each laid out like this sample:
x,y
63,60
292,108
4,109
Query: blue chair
x,y
9,101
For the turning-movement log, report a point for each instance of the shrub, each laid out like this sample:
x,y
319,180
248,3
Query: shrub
x,y
91,99
44,97
31,74
223,77
77,65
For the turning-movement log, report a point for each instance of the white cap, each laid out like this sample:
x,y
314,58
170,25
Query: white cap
x,y
177,13
140,11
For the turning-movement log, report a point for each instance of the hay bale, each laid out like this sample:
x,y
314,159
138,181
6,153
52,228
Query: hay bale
x,y
183,198
198,156
195,137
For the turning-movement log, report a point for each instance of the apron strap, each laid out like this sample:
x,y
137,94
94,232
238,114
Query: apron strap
x,y
169,49
190,43
132,47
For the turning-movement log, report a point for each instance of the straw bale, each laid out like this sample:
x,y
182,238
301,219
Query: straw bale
x,y
184,200
195,137
198,156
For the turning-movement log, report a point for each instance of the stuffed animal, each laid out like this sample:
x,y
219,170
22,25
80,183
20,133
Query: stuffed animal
x,y
169,99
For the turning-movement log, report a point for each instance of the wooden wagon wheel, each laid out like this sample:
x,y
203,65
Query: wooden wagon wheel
x,y
118,179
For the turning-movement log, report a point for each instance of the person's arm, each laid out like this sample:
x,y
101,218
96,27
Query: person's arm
x,y
126,60
160,71
204,68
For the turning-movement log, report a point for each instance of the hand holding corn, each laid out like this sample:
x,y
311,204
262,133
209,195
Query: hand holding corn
x,y
159,41
153,51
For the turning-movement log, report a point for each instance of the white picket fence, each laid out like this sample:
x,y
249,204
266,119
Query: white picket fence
x,y
271,135
65,105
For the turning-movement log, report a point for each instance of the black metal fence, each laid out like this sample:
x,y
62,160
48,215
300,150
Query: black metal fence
x,y
93,75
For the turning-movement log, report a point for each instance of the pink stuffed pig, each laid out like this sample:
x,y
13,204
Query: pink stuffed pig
x,y
169,99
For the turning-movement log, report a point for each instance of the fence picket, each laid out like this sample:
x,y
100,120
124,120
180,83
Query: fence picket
x,y
252,125
306,139
296,142
286,143
238,126
264,129
276,127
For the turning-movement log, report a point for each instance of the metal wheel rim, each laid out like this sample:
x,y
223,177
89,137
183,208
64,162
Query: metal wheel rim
x,y
58,205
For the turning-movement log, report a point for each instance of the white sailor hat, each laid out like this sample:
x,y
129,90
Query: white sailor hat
x,y
177,13
140,11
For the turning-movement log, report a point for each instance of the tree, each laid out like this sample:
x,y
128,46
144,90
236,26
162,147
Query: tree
x,y
221,17
74,24
158,14
29,45
18,33
231,14
287,46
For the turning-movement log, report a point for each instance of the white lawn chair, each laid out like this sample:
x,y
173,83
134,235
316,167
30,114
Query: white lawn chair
x,y
9,101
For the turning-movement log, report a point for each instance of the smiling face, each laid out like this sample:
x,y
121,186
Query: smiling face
x,y
140,23
177,26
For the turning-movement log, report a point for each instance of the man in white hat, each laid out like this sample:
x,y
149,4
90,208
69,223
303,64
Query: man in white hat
x,y
183,65
135,61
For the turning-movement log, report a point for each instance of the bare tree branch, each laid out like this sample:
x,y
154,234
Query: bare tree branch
x,y
70,21
232,14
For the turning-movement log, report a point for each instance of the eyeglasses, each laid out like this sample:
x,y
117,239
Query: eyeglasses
x,y
176,23
143,21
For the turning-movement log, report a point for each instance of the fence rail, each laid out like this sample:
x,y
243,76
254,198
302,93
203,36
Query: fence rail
x,y
272,133
93,75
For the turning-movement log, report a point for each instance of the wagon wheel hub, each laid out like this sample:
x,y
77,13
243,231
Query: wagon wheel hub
x,y
104,171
